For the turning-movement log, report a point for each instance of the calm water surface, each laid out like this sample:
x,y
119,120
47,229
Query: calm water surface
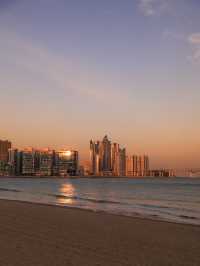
x,y
175,199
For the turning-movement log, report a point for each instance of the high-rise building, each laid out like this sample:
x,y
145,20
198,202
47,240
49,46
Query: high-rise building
x,y
28,162
146,165
44,162
107,159
94,158
137,165
115,159
15,162
122,164
65,163
105,150
5,145
101,157
129,166
143,165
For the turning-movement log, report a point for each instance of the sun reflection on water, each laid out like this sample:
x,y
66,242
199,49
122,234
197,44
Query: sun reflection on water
x,y
67,193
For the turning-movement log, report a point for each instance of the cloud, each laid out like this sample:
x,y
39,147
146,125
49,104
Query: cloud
x,y
147,7
167,34
194,38
153,7
194,41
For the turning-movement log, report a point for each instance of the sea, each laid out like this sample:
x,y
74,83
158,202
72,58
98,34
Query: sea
x,y
169,199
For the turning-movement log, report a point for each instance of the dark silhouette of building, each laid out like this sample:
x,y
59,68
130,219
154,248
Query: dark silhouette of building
x,y
5,145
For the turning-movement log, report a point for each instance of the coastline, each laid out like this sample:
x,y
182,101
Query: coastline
x,y
61,192
153,218
72,177
96,177
37,234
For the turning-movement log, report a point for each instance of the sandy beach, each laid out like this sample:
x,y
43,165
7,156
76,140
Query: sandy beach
x,y
32,234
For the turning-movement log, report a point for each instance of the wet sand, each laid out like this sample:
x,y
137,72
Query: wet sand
x,y
34,235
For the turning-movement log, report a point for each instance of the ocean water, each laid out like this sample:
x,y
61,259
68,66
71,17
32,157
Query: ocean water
x,y
171,199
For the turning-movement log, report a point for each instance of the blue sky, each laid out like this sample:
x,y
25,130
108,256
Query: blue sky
x,y
75,70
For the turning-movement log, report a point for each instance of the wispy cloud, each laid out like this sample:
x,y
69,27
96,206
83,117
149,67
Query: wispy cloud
x,y
153,7
194,41
168,34
194,38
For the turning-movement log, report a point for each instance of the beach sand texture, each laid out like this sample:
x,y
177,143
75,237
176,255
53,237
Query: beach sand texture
x,y
34,235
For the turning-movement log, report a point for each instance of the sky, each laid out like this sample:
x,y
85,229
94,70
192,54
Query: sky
x,y
72,70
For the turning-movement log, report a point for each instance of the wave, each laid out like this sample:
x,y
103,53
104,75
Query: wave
x,y
188,217
155,206
9,190
85,199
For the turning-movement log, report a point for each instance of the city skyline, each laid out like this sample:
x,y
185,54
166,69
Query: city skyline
x,y
85,158
128,69
106,159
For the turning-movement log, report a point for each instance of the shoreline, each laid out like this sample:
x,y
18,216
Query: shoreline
x,y
97,205
135,216
42,235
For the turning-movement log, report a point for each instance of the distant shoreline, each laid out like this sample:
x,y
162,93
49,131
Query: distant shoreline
x,y
97,177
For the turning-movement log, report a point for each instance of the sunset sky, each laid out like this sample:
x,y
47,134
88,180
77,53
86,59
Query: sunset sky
x,y
72,70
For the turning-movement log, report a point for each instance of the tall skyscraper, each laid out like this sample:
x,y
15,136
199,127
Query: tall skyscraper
x,y
95,158
107,159
101,157
115,159
4,148
105,149
122,162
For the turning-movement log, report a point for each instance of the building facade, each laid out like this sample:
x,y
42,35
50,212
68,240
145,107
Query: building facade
x,y
122,162
94,158
65,163
162,173
115,159
129,166
105,156
137,165
15,162
28,162
44,162
5,145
